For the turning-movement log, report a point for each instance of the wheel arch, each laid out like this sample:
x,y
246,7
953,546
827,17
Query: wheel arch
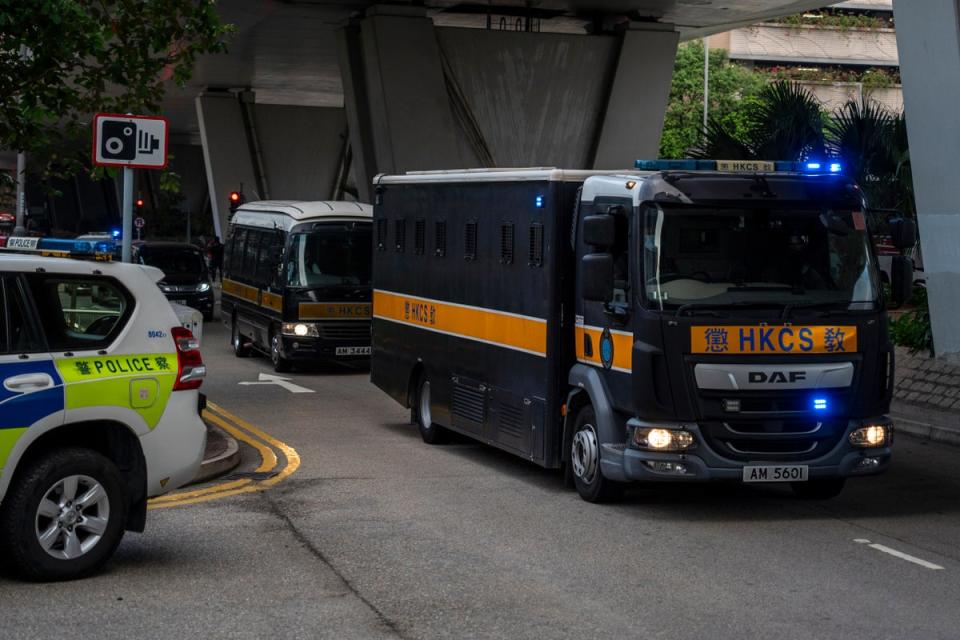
x,y
115,441
588,388
415,373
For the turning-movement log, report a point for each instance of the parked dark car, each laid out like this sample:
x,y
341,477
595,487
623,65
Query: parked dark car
x,y
185,276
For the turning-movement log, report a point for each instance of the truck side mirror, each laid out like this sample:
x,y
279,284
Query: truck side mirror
x,y
903,232
599,231
597,272
901,279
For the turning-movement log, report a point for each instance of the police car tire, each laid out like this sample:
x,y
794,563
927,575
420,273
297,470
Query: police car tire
x,y
822,489
17,521
598,488
431,433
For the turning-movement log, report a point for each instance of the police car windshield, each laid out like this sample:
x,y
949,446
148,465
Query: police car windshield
x,y
781,256
330,254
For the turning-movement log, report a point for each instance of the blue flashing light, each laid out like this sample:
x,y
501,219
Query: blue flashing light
x,y
115,233
813,166
538,202
819,404
835,167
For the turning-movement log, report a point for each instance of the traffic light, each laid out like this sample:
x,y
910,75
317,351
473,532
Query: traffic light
x,y
139,205
236,199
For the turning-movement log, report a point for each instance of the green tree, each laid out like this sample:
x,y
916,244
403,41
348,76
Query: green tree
x,y
732,88
63,60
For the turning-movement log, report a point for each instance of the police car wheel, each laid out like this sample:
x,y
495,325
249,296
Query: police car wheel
x,y
822,489
240,348
64,517
585,461
423,415
280,364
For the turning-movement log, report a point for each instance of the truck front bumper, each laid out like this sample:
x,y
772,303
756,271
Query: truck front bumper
x,y
625,464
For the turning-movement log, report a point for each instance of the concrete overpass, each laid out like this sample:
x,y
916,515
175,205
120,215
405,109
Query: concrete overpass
x,y
316,97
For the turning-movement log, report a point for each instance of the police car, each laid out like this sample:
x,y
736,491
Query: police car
x,y
99,405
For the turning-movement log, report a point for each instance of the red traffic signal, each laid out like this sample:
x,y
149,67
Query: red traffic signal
x,y
139,203
236,199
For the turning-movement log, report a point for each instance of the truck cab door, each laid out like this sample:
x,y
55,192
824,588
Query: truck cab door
x,y
604,286
31,390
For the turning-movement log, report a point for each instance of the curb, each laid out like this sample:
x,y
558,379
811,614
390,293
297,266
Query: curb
x,y
925,431
219,464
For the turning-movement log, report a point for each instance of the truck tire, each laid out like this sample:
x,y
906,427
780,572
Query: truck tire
x,y
240,348
585,461
823,489
63,517
422,415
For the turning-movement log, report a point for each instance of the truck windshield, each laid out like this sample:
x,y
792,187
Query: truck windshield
x,y
779,256
336,253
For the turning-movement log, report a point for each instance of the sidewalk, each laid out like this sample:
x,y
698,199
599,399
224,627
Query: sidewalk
x,y
926,397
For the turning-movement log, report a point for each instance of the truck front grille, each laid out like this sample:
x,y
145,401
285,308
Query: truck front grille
x,y
353,331
779,439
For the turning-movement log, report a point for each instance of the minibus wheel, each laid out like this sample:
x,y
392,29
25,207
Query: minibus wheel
x,y
431,432
241,349
585,461
280,364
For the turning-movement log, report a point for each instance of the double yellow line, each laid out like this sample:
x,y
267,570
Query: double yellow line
x,y
266,445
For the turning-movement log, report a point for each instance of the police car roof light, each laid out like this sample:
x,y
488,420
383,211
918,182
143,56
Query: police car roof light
x,y
101,250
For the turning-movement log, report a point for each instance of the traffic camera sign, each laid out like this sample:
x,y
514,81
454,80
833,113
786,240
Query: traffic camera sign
x,y
138,142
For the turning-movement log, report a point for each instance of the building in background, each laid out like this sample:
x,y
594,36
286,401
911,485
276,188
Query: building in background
x,y
842,52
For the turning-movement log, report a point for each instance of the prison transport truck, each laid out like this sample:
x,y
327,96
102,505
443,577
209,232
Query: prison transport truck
x,y
685,324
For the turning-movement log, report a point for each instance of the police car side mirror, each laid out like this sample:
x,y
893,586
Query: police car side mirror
x,y
903,232
596,271
901,279
599,231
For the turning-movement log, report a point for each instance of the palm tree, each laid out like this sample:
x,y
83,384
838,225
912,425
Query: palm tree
x,y
787,124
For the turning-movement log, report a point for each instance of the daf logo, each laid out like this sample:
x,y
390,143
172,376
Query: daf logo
x,y
776,377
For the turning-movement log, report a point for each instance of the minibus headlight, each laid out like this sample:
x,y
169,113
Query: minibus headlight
x,y
659,439
871,435
203,287
300,329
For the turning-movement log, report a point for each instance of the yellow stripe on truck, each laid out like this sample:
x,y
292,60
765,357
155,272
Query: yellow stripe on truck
x,y
512,331
622,348
271,301
338,310
240,290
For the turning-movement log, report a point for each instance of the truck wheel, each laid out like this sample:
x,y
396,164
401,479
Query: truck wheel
x,y
818,489
280,364
240,348
423,416
63,517
585,461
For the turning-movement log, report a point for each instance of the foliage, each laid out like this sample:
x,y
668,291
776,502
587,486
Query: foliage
x,y
732,87
912,328
841,20
784,123
871,78
63,60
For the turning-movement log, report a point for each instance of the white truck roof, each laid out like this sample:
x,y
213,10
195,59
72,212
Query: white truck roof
x,y
530,174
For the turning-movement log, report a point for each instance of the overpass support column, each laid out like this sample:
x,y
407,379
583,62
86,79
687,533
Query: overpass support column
x,y
929,46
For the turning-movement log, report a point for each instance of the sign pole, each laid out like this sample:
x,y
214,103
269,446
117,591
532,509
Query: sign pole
x,y
127,213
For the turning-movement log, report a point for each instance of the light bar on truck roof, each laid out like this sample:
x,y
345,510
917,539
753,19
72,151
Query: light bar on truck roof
x,y
100,250
742,166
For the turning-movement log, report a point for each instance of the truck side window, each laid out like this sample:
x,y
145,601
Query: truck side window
x,y
470,241
621,259
440,238
79,313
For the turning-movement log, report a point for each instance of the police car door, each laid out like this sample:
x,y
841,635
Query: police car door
x,y
31,390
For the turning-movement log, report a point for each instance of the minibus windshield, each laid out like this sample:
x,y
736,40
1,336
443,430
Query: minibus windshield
x,y
336,253
700,256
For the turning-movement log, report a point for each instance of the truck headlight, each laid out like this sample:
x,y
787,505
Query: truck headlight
x,y
658,439
871,435
203,287
300,329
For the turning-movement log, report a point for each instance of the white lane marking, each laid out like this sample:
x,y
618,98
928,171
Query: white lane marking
x,y
280,381
899,554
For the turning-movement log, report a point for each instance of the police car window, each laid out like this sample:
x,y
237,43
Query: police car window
x,y
18,336
79,313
